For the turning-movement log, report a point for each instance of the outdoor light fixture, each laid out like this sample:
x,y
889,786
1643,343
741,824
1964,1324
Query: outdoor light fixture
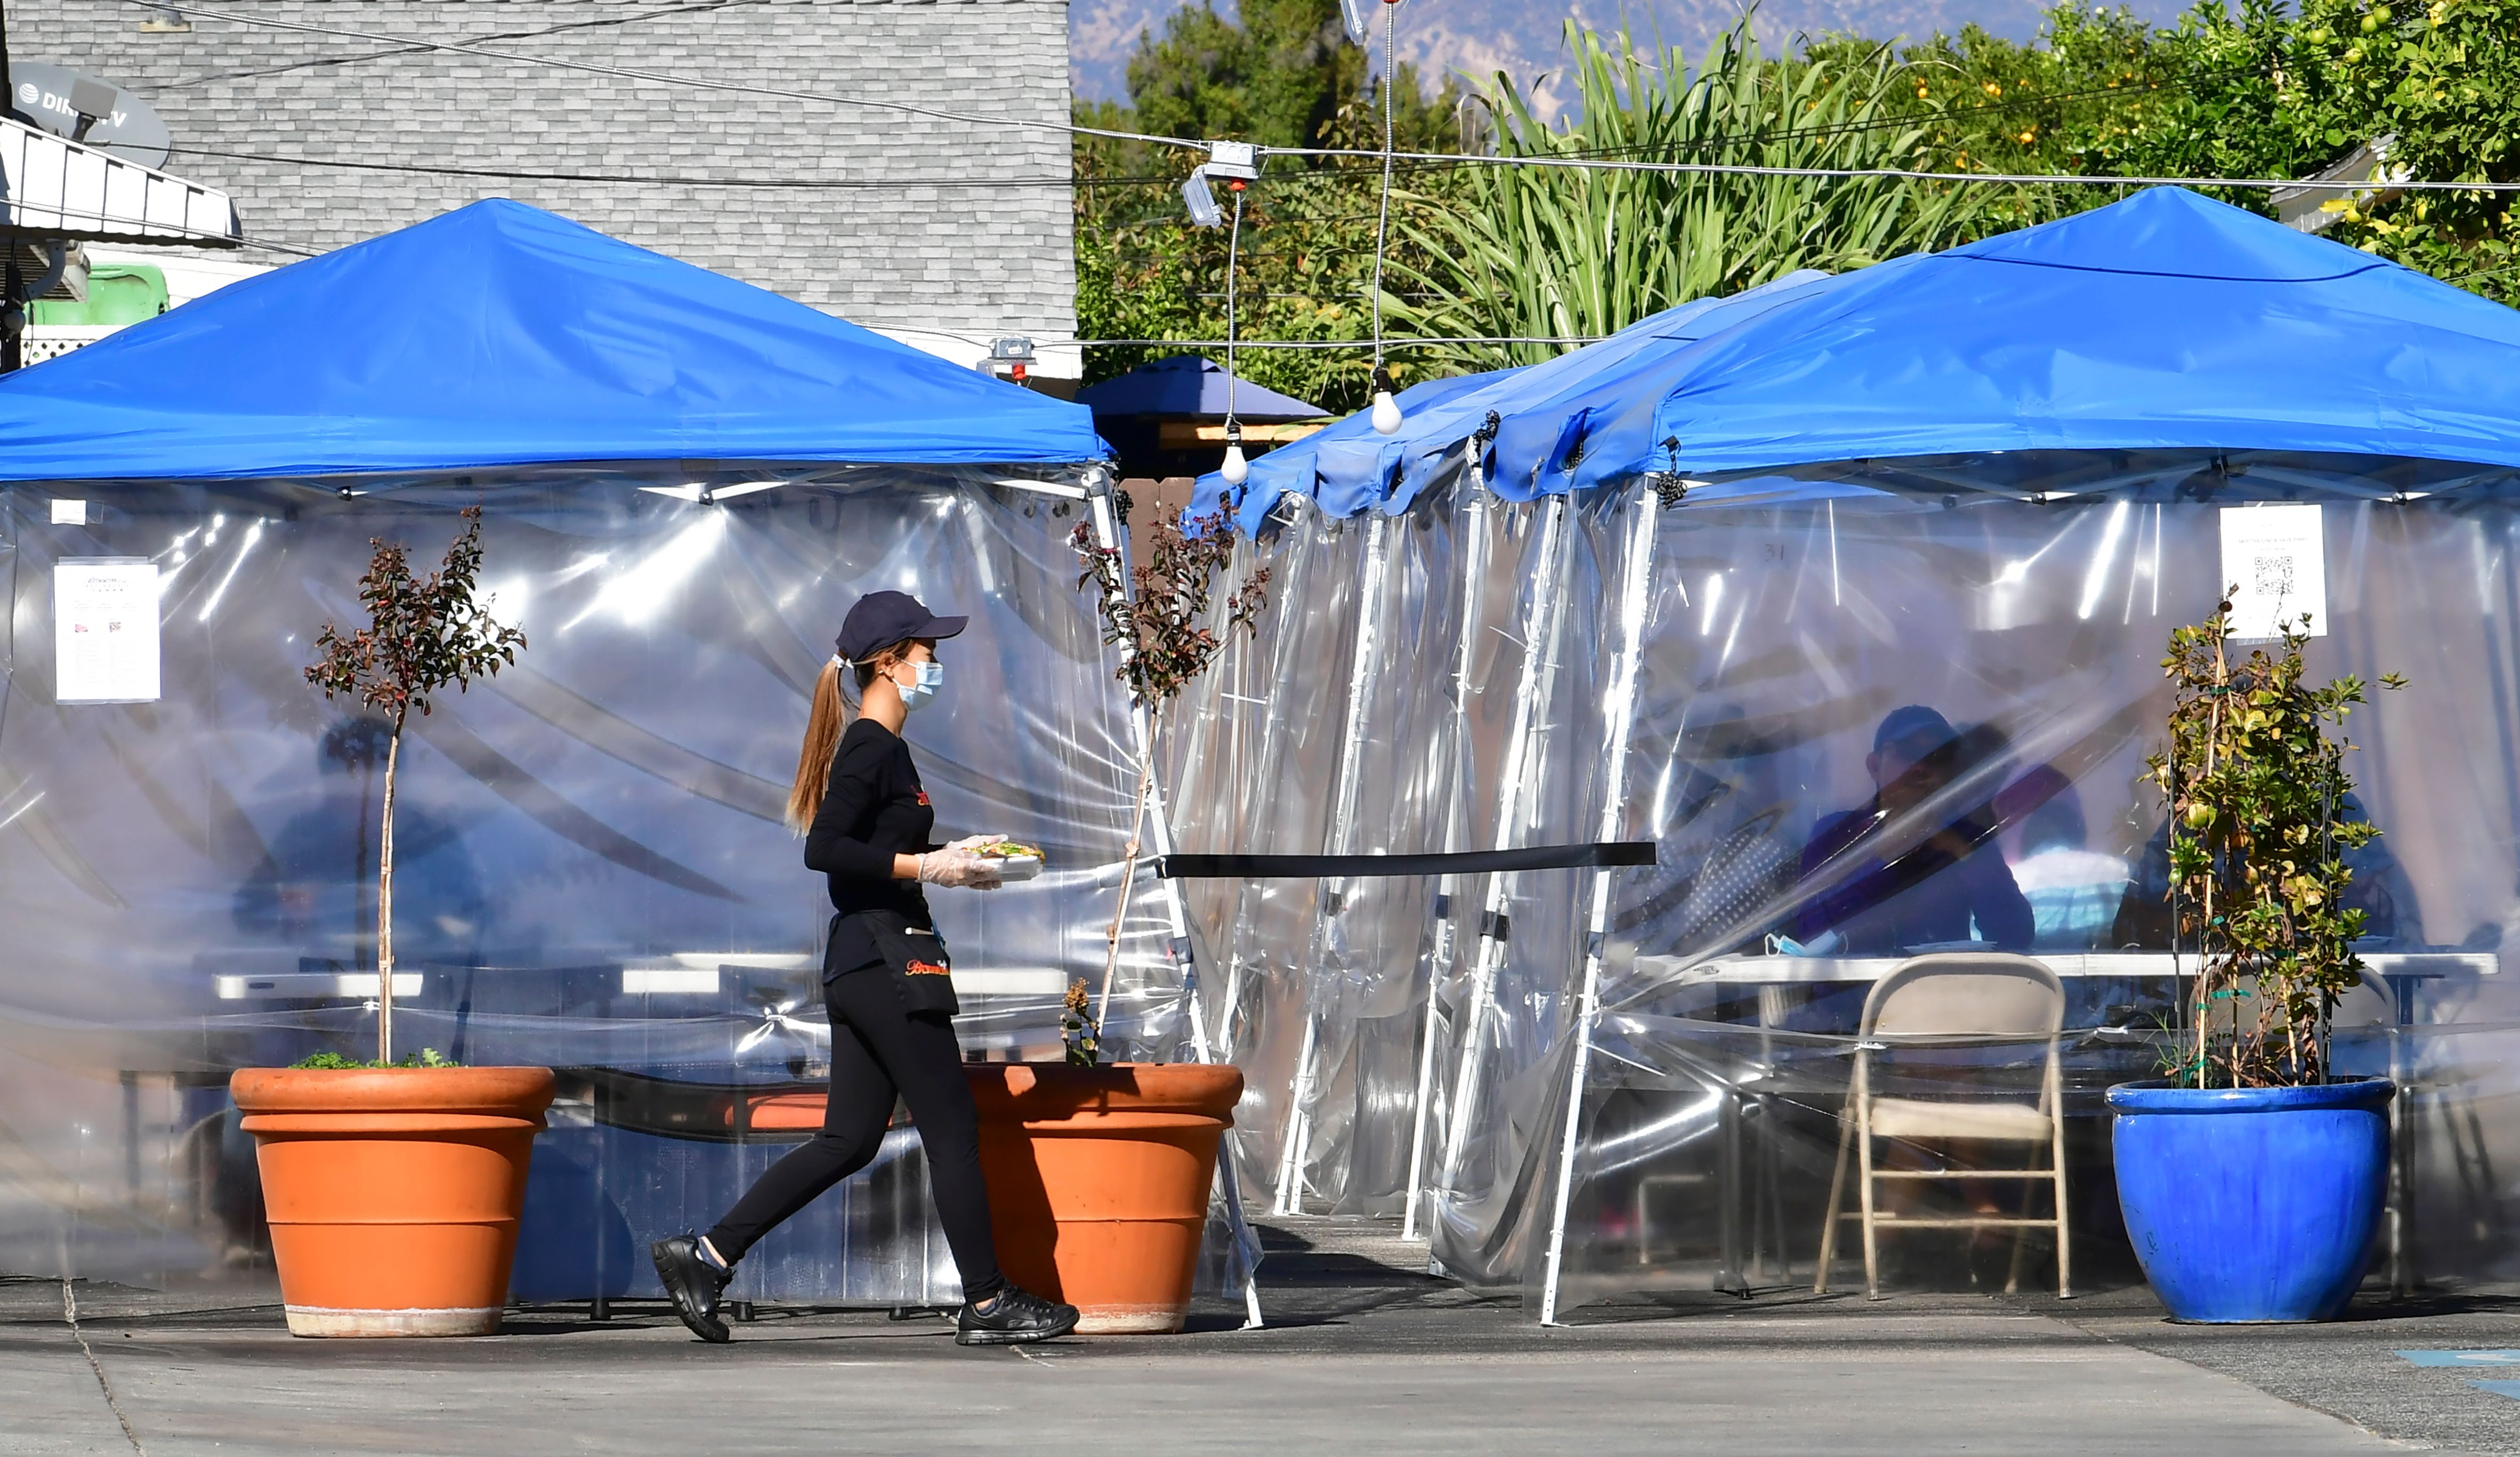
x,y
1010,357
1358,15
1234,161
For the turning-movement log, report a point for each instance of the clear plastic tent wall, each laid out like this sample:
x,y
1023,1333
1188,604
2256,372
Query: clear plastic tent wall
x,y
1636,1083
592,872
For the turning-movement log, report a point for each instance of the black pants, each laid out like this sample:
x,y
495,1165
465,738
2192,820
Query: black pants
x,y
879,1049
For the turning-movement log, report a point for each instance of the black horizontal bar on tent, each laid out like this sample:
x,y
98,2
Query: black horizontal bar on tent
x,y
1600,854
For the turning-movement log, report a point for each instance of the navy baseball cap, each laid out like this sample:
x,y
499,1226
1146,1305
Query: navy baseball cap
x,y
881,619
1916,727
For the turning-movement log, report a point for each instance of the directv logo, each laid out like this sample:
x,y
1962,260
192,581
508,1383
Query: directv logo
x,y
32,95
87,109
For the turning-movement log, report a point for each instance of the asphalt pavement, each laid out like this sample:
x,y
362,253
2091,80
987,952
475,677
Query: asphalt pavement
x,y
1362,1354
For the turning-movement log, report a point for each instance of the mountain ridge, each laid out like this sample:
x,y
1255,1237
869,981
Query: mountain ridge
x,y
1524,39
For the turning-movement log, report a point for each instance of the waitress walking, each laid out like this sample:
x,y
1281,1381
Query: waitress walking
x,y
886,981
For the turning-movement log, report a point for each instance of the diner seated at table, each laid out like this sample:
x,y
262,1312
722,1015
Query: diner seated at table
x,y
2073,890
1881,883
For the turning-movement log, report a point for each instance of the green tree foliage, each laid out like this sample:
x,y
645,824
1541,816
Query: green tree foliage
x,y
2266,90
1284,76
1576,253
2273,88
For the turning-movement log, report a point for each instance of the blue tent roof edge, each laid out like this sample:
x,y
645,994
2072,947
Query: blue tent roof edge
x,y
502,335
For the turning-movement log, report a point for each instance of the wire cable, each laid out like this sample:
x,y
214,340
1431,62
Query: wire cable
x,y
798,184
1904,174
664,78
1382,215
1320,343
1232,258
673,12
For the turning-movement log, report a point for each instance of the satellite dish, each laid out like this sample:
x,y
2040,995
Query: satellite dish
x,y
55,97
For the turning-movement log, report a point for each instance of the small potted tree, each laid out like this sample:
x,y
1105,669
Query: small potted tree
x,y
1100,1172
2251,1177
394,1187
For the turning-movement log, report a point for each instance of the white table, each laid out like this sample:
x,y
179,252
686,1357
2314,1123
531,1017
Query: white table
x,y
1753,970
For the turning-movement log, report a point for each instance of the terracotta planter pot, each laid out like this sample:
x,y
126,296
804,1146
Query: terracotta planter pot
x,y
1098,1181
393,1192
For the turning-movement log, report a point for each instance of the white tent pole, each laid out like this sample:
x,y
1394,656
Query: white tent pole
x,y
1538,629
1107,531
1448,890
1270,760
1634,597
1364,668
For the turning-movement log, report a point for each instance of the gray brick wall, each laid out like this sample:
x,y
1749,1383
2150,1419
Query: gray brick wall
x,y
944,226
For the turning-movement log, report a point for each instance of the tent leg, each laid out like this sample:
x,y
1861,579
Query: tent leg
x,y
1448,891
1622,699
1291,1159
1539,629
1365,667
1426,1034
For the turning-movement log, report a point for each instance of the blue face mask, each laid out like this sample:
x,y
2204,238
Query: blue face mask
x,y
918,695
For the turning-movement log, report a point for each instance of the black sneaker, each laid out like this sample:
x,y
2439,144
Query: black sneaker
x,y
694,1282
1012,1319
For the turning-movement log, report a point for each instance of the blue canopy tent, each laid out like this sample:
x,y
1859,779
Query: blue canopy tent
x,y
1351,468
1687,580
1191,386
500,335
684,482
2165,321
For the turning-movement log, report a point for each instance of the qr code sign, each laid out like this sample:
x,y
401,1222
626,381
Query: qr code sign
x,y
2270,577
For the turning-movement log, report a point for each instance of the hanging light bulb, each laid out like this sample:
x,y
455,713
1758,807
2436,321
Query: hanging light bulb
x,y
1386,410
1236,470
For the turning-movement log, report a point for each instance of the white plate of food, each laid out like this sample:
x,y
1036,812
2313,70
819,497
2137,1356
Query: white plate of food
x,y
1011,861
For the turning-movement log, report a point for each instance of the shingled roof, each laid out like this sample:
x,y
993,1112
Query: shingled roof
x,y
893,221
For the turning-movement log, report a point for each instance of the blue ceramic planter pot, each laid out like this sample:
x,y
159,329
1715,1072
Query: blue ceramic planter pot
x,y
2253,1204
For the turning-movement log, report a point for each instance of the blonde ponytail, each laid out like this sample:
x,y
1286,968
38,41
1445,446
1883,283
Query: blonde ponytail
x,y
830,718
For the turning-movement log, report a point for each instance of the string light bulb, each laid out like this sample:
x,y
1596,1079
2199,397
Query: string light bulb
x,y
1387,419
1236,469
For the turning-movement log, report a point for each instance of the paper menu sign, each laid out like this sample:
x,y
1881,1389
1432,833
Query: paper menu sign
x,y
105,630
2275,558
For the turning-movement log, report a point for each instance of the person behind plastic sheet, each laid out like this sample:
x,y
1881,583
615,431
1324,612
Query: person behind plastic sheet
x,y
1885,881
886,980
313,892
2073,890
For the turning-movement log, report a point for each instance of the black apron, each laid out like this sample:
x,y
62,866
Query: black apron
x,y
914,956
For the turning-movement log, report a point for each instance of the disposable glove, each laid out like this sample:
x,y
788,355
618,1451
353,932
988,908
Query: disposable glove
x,y
957,868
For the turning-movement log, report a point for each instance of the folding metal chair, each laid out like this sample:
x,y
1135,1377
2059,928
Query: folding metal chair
x,y
1952,1000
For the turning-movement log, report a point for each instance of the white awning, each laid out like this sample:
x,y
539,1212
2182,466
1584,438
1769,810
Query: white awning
x,y
52,187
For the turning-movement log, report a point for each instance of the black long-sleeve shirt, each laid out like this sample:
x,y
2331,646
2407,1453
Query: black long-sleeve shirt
x,y
872,810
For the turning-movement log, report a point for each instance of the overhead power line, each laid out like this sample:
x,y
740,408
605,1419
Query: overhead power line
x,y
670,12
1387,342
1904,174
628,179
662,79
